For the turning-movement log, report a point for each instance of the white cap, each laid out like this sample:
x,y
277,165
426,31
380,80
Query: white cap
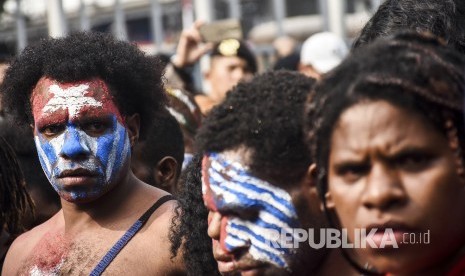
x,y
323,51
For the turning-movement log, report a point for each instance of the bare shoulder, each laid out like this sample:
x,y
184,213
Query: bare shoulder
x,y
23,246
157,245
159,229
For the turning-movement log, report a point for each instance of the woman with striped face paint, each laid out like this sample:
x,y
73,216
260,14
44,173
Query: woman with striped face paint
x,y
80,136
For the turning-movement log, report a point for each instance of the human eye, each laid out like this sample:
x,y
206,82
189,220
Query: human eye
x,y
95,127
243,213
352,171
52,130
414,161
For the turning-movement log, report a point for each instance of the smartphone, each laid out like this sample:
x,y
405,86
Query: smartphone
x,y
221,29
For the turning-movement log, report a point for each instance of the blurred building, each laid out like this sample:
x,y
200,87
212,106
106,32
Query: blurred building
x,y
263,20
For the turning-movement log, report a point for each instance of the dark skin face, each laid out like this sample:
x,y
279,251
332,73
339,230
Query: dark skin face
x,y
391,168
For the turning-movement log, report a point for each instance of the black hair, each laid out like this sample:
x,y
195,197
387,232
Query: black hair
x,y
164,138
263,115
410,70
190,224
445,19
15,202
289,62
134,79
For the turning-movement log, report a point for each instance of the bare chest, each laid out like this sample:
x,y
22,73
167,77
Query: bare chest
x,y
80,256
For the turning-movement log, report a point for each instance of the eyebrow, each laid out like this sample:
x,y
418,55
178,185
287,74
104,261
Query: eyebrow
x,y
408,151
51,120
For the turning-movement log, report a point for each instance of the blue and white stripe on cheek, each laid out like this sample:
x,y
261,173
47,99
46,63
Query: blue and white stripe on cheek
x,y
231,186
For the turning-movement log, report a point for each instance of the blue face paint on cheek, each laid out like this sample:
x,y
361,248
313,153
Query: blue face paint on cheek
x,y
113,150
47,155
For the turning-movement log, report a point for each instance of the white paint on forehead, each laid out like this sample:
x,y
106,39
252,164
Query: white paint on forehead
x,y
72,98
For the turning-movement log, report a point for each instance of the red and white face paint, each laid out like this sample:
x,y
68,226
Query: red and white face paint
x,y
80,136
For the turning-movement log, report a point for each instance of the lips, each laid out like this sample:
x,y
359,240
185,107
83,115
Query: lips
x,y
228,265
398,230
76,173
78,176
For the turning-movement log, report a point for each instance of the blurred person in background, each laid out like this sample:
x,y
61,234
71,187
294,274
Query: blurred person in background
x,y
445,19
287,55
320,53
231,61
157,159
182,106
15,202
5,59
386,130
284,46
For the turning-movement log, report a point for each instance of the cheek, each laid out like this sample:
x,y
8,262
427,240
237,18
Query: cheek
x,y
47,151
344,199
112,146
436,192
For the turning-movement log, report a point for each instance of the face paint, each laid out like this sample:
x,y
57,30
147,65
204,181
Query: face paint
x,y
80,137
228,187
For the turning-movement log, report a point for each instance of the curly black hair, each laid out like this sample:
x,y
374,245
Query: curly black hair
x,y
134,79
410,70
264,115
445,19
190,225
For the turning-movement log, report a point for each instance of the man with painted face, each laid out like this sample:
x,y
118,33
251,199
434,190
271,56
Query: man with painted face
x,y
88,97
255,180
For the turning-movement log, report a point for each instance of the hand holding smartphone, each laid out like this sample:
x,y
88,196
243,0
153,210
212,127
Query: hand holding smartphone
x,y
221,29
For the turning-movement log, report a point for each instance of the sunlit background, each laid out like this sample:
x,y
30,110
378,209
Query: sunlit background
x,y
155,25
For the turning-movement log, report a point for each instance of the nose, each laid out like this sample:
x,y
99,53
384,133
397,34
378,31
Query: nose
x,y
73,146
383,189
214,225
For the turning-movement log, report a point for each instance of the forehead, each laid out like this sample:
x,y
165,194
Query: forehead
x,y
50,96
384,125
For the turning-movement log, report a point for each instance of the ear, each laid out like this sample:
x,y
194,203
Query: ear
x,y
313,174
308,186
133,128
166,172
